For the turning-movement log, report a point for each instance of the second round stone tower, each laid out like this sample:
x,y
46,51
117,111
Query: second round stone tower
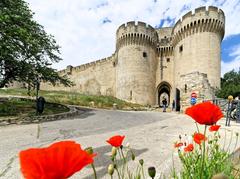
x,y
136,63
197,45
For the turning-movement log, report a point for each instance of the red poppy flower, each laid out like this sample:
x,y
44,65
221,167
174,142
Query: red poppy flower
x,y
58,161
205,113
116,141
177,145
189,148
214,128
198,138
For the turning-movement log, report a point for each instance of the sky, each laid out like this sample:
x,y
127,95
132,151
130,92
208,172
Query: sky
x,y
86,29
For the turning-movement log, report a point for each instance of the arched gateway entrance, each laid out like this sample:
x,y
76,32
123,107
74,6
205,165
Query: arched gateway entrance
x,y
163,91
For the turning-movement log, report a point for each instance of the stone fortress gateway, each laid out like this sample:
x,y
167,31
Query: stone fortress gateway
x,y
150,63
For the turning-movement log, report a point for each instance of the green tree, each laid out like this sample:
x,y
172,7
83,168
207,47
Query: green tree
x,y
230,84
26,50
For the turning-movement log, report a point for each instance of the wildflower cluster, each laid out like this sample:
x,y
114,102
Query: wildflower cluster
x,y
203,157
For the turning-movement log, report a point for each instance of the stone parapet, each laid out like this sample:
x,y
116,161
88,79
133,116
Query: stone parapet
x,y
138,33
203,19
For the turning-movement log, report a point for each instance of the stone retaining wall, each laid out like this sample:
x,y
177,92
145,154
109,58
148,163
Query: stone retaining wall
x,y
73,111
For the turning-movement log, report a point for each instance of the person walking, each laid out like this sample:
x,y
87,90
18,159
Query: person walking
x,y
164,102
173,105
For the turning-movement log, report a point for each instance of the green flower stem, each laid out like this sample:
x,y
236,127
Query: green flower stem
x,y
228,149
124,162
203,154
143,172
197,127
120,156
235,147
119,177
124,159
225,135
94,171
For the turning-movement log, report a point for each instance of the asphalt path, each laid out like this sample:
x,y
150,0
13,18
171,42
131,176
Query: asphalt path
x,y
91,122
151,136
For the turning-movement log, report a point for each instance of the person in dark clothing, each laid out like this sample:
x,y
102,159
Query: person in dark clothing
x,y
164,102
40,104
173,105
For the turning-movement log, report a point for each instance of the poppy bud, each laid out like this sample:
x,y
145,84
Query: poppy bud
x,y
141,162
237,134
110,169
89,150
152,172
180,137
113,158
133,156
114,151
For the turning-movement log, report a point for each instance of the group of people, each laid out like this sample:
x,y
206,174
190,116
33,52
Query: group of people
x,y
164,103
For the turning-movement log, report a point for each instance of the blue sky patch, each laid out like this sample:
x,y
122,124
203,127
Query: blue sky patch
x,y
228,47
168,20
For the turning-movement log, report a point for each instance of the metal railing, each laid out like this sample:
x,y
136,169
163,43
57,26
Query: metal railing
x,y
231,109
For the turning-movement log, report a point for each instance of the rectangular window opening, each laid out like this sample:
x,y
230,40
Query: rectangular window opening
x,y
144,54
181,48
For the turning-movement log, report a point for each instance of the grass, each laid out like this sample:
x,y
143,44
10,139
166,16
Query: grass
x,y
72,98
19,108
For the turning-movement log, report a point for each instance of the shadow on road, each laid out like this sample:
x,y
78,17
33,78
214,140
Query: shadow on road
x,y
103,159
85,112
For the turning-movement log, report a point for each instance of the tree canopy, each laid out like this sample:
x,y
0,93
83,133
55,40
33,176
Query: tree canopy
x,y
26,50
230,84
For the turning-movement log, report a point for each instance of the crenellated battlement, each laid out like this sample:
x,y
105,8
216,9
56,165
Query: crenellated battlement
x,y
138,33
202,19
165,51
134,26
83,67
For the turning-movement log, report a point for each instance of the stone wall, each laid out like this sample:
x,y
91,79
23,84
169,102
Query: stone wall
x,y
195,82
96,78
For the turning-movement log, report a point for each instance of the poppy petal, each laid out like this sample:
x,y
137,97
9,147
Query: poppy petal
x,y
59,160
116,141
214,128
198,138
189,148
205,113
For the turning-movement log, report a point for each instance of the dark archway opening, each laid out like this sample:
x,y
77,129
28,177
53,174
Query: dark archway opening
x,y
178,105
163,92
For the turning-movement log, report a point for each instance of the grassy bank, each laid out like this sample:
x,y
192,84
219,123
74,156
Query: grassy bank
x,y
20,108
73,98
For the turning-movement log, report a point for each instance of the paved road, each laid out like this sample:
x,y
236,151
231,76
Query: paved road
x,y
151,135
91,122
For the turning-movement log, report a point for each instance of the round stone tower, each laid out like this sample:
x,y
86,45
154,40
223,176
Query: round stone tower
x,y
136,63
197,45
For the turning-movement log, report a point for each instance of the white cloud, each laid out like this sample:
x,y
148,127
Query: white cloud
x,y
78,29
234,64
235,51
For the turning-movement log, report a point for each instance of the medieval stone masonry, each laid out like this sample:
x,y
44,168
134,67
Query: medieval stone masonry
x,y
149,64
